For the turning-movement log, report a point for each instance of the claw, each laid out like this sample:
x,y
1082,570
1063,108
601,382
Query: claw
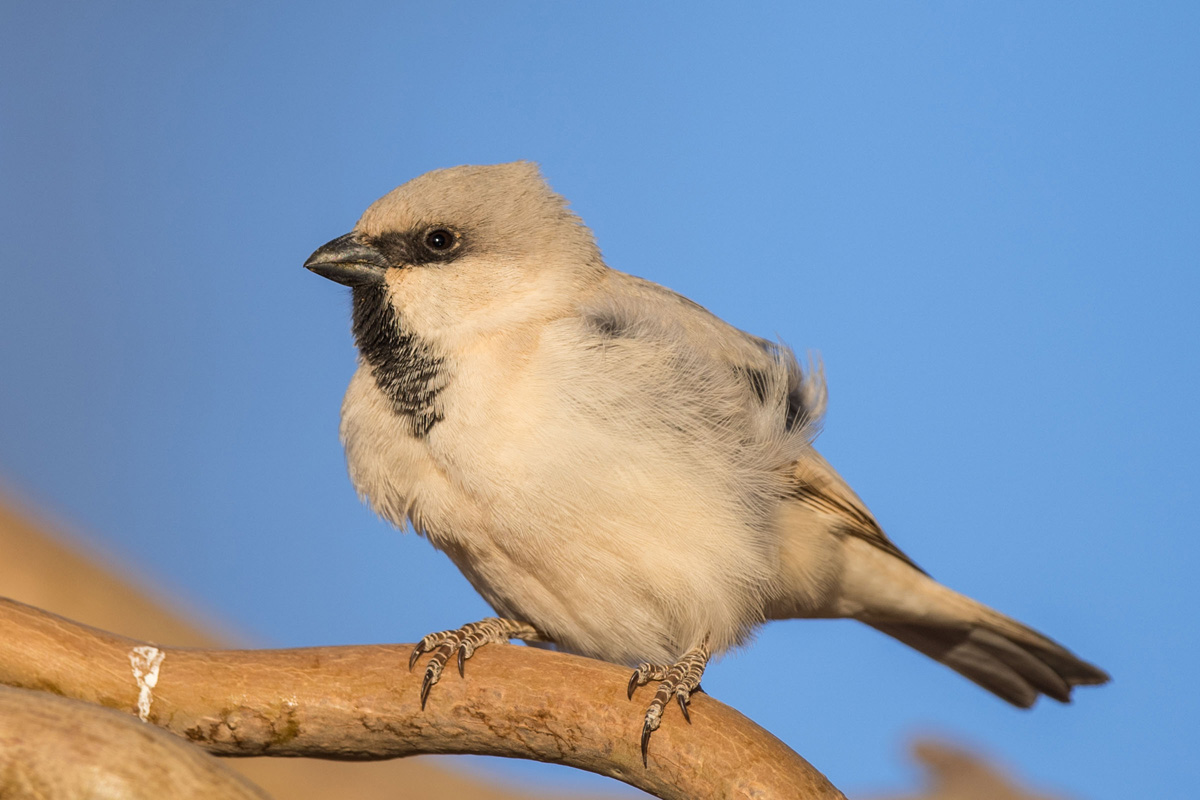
x,y
679,679
466,640
426,685
653,720
646,731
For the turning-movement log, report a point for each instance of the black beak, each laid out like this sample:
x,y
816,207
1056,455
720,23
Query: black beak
x,y
349,261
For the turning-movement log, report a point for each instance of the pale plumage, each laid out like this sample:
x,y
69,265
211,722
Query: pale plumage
x,y
609,462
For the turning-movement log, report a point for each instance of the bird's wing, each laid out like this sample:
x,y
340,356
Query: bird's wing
x,y
765,373
767,380
819,488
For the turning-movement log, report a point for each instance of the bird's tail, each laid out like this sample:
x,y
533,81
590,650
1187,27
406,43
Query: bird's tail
x,y
1014,666
1009,659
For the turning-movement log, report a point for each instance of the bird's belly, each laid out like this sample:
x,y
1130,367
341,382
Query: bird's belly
x,y
610,555
614,598
601,544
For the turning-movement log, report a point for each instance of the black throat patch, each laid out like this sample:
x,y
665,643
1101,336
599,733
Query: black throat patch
x,y
404,367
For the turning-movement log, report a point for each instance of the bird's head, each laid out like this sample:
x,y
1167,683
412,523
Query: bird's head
x,y
466,248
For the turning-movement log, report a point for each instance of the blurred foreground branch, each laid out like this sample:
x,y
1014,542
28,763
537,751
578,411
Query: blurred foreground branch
x,y
54,747
361,703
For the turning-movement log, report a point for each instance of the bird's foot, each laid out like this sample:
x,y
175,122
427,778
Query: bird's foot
x,y
679,679
465,641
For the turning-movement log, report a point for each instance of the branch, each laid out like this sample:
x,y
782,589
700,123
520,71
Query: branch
x,y
55,747
361,703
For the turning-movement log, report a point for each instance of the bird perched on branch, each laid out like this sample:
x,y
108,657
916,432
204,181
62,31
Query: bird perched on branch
x,y
617,471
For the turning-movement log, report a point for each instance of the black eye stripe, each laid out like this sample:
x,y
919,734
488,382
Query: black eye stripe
x,y
395,247
436,244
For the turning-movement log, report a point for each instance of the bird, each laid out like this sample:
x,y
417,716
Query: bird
x,y
617,471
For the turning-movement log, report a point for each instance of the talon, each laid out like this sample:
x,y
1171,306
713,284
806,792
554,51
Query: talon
x,y
426,685
679,679
653,719
646,731
465,640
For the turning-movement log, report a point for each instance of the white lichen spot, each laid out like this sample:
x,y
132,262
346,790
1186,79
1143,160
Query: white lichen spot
x,y
145,661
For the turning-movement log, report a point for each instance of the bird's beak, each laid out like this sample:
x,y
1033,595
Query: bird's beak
x,y
349,261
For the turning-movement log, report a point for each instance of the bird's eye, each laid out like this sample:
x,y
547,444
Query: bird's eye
x,y
439,239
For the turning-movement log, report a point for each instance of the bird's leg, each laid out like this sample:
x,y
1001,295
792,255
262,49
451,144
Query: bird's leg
x,y
679,679
465,640
645,673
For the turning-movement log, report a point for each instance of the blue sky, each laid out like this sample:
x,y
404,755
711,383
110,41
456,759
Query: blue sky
x,y
985,218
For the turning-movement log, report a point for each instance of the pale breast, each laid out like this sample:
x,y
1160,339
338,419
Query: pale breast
x,y
604,529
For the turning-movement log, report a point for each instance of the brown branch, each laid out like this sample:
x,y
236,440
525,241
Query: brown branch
x,y
361,703
54,747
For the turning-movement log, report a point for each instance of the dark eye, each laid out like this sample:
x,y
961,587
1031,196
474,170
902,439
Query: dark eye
x,y
439,239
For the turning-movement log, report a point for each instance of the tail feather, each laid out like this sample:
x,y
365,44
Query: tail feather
x,y
1009,659
866,577
1015,668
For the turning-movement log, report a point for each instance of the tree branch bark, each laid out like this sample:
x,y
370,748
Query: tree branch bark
x,y
54,747
362,703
